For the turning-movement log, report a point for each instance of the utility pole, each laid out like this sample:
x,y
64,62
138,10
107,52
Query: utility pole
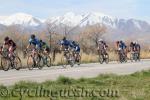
x,y
50,40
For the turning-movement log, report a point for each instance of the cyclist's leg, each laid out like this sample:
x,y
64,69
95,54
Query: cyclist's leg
x,y
11,51
103,53
78,57
46,50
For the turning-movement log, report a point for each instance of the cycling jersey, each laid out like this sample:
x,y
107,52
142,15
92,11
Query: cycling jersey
x,y
135,47
10,43
102,46
66,43
35,42
11,47
76,47
122,46
138,47
44,46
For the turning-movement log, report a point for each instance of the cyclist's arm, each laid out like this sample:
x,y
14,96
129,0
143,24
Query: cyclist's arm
x,y
61,47
28,46
4,46
98,47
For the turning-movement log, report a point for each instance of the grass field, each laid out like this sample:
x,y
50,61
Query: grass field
x,y
103,87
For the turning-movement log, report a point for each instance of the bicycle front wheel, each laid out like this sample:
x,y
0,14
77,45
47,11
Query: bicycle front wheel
x,y
39,61
78,60
5,63
30,62
101,59
64,61
107,58
17,63
48,61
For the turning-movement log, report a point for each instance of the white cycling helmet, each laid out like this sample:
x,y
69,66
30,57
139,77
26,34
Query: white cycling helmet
x,y
100,40
135,42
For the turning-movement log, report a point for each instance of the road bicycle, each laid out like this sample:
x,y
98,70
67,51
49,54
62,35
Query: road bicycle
x,y
7,62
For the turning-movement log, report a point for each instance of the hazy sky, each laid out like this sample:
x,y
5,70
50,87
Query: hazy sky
x,y
139,9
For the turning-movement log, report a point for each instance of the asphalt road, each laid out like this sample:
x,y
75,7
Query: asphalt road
x,y
85,70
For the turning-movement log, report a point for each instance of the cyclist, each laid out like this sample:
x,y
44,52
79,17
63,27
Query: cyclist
x,y
138,49
34,43
121,48
44,47
102,47
135,47
76,49
132,47
9,45
65,44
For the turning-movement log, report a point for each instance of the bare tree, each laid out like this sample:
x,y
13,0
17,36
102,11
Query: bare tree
x,y
89,37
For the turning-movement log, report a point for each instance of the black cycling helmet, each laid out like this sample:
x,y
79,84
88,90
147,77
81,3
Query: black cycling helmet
x,y
6,38
41,41
73,42
64,38
44,43
121,41
32,36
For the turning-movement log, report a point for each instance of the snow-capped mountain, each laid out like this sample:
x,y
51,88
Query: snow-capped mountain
x,y
71,19
128,26
20,19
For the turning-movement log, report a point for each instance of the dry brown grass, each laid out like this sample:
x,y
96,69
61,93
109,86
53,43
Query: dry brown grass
x,y
87,58
90,58
145,54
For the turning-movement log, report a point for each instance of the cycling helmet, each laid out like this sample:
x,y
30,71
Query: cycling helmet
x,y
121,41
44,43
10,41
41,41
73,42
134,42
64,38
6,38
117,41
32,36
100,40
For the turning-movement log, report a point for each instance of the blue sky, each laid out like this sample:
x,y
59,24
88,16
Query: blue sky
x,y
139,9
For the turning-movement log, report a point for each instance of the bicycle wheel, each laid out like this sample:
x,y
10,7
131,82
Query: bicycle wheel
x,y
131,57
71,60
120,58
101,59
78,60
136,57
48,61
17,63
64,61
39,61
106,58
30,62
5,63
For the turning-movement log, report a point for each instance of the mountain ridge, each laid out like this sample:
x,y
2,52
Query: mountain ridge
x,y
71,19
